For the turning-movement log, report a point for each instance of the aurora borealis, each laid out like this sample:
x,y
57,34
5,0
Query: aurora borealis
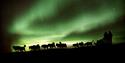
x,y
44,21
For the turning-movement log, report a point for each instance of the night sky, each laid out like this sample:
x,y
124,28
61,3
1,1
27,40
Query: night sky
x,y
44,21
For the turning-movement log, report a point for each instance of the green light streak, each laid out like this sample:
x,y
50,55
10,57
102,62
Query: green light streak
x,y
83,21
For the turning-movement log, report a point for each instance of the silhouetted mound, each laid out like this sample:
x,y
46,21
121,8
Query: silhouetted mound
x,y
62,51
64,54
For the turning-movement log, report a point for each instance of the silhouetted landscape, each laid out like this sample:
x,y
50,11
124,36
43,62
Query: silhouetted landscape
x,y
60,52
106,41
42,31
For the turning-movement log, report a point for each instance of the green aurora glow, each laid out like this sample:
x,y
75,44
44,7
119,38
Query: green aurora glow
x,y
66,20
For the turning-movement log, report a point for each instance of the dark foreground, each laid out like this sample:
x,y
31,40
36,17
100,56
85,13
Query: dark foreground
x,y
64,54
